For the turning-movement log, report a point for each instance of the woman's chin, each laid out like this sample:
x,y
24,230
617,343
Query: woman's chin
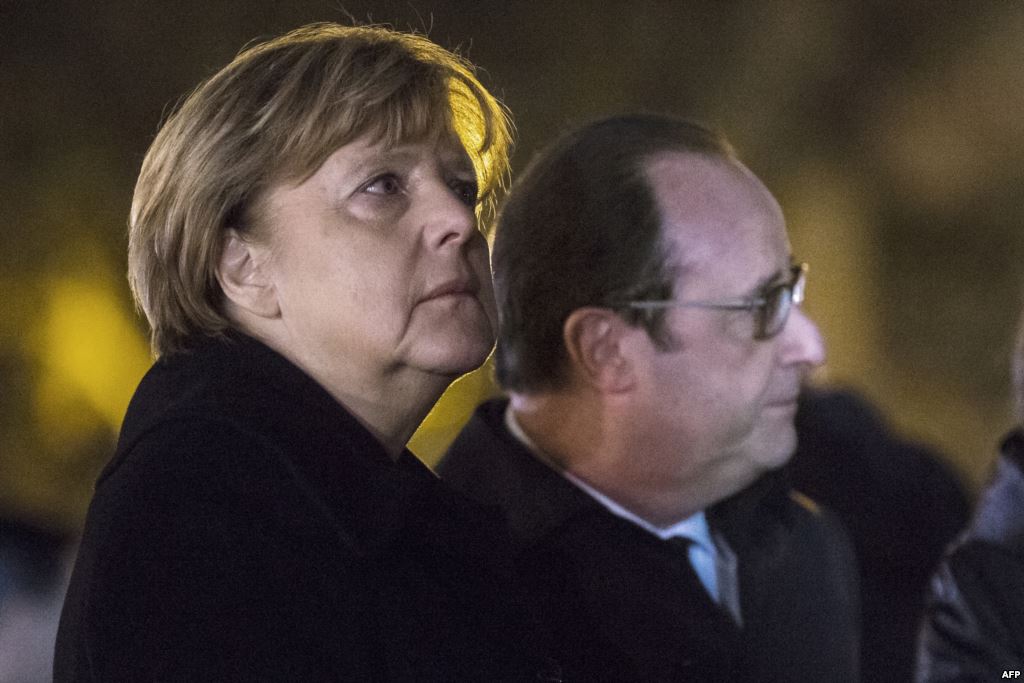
x,y
453,359
450,345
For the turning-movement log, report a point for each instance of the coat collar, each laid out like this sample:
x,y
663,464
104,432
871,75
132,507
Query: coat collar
x,y
546,514
342,470
534,498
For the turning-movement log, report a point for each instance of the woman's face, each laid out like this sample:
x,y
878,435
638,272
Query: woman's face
x,y
377,262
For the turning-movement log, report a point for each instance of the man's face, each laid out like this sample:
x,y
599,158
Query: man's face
x,y
721,402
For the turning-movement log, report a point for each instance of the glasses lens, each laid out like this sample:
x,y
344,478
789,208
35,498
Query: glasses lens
x,y
777,302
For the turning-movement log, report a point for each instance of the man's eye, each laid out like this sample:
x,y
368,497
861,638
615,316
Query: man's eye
x,y
465,190
384,184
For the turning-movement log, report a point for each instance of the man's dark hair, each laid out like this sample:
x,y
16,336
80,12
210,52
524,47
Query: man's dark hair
x,y
581,227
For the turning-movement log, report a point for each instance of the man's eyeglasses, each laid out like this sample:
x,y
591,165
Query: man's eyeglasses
x,y
771,307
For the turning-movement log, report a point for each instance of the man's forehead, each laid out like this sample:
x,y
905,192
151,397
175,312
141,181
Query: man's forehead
x,y
711,208
691,183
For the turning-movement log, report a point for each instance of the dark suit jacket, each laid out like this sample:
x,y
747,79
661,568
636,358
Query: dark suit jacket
x,y
625,606
249,528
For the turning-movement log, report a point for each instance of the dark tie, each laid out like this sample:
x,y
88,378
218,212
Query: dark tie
x,y
725,576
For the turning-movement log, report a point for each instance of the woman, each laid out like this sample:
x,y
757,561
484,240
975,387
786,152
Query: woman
x,y
304,244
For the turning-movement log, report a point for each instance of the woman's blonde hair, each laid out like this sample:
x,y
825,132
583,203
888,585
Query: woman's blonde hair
x,y
275,114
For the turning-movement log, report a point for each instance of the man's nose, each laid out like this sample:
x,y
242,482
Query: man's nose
x,y
802,341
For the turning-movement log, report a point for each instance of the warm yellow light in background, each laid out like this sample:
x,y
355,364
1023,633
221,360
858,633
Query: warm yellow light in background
x,y
90,353
78,356
830,225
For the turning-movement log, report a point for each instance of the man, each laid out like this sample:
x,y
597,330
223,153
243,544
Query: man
x,y
653,349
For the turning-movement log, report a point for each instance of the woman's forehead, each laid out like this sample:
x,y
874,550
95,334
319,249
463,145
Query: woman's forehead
x,y
444,146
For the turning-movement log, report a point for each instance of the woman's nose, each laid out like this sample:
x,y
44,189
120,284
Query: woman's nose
x,y
448,219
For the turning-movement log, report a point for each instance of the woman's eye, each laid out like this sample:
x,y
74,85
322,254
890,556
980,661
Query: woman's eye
x,y
465,190
385,184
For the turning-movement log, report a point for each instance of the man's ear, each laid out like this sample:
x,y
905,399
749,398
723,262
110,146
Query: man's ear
x,y
243,276
593,338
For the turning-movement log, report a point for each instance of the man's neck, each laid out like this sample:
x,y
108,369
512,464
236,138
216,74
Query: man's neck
x,y
590,447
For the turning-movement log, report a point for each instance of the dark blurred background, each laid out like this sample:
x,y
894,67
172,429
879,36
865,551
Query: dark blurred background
x,y
891,133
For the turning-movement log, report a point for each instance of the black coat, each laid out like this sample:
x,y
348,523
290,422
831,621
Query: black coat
x,y
249,528
625,606
974,630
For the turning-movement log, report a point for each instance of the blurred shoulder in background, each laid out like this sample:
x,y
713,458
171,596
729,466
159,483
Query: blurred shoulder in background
x,y
975,624
34,567
901,505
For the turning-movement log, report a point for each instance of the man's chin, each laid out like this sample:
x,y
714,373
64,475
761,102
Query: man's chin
x,y
778,449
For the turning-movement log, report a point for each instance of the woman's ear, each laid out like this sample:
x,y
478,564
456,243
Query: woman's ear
x,y
593,339
244,277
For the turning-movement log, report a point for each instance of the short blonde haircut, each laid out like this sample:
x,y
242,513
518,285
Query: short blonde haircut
x,y
275,114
